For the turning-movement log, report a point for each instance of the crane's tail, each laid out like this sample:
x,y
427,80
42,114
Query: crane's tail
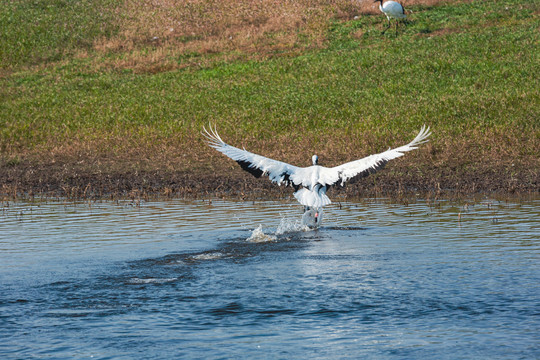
x,y
313,198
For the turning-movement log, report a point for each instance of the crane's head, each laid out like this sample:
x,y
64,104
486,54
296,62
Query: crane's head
x,y
315,159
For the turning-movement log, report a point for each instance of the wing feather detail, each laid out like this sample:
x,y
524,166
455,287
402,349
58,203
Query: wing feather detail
x,y
363,167
315,178
279,172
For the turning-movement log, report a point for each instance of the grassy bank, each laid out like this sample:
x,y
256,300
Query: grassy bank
x,y
96,103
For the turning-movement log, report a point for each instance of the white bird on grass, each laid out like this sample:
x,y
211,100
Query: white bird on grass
x,y
311,183
392,9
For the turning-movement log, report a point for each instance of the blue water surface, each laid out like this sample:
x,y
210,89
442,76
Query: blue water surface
x,y
226,279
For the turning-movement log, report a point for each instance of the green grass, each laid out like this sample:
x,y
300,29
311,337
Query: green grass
x,y
43,31
469,70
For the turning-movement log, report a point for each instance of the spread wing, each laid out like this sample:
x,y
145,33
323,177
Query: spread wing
x,y
360,168
279,172
283,173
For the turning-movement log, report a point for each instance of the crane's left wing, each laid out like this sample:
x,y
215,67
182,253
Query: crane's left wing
x,y
360,168
278,171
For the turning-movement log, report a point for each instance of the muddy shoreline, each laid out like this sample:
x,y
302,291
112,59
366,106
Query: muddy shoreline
x,y
67,180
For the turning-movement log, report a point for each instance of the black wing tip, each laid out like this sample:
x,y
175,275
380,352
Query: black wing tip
x,y
247,166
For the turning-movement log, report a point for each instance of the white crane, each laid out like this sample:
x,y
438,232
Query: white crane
x,y
310,183
392,9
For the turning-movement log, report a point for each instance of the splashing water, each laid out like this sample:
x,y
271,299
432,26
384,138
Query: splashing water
x,y
137,281
209,256
287,225
258,236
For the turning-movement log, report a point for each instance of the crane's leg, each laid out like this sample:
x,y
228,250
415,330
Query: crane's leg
x,y
388,27
312,217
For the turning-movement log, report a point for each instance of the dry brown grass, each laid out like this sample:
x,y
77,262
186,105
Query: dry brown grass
x,y
158,35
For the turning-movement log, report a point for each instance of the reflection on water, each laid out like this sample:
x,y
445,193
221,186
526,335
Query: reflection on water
x,y
242,279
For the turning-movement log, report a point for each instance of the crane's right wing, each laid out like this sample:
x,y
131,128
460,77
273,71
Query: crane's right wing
x,y
279,172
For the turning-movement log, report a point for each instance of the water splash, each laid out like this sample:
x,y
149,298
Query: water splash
x,y
137,281
209,256
287,225
258,236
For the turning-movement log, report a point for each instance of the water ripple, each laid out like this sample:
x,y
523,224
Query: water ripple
x,y
225,279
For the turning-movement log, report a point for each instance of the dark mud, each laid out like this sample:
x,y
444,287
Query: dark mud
x,y
69,180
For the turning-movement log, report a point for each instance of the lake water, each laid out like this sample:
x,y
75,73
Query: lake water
x,y
224,279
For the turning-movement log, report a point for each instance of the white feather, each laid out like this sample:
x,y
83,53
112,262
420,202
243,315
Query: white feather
x,y
393,9
314,179
313,198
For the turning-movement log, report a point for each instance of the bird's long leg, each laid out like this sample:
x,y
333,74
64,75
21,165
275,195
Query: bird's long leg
x,y
388,27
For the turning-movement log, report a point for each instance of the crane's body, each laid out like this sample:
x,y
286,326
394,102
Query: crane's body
x,y
392,10
311,183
